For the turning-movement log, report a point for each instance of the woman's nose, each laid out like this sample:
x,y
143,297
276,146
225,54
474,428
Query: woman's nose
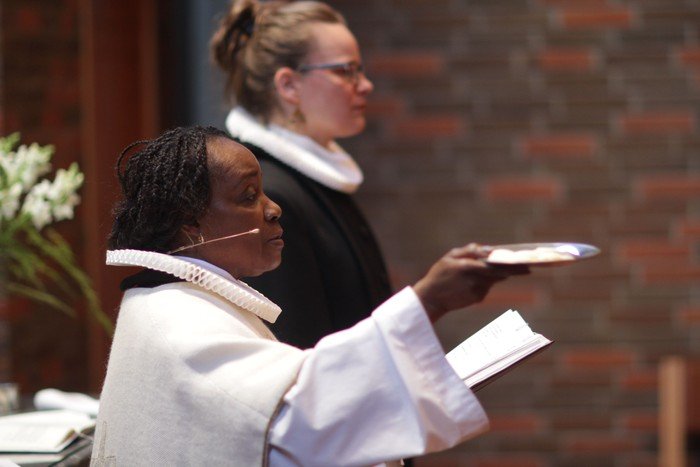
x,y
273,211
364,85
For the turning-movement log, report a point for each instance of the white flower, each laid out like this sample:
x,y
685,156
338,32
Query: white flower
x,y
26,165
62,193
9,201
33,162
65,211
37,207
21,184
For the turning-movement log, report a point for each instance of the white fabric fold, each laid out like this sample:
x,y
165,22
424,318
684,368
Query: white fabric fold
x,y
332,168
378,391
221,283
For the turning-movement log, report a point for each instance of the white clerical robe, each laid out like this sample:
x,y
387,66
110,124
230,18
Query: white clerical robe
x,y
196,379
378,391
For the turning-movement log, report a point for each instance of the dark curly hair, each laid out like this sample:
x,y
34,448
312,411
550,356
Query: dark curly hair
x,y
165,186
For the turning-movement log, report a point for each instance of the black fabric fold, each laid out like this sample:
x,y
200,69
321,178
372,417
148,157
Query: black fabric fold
x,y
148,278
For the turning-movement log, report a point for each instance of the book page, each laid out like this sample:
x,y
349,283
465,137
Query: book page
x,y
41,431
490,343
34,438
495,347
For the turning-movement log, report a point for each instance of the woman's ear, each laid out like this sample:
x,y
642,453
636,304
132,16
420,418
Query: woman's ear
x,y
287,86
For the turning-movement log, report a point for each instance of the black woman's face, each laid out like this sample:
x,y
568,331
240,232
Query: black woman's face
x,y
238,204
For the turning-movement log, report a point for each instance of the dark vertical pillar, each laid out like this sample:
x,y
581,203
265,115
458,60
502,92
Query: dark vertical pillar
x,y
119,67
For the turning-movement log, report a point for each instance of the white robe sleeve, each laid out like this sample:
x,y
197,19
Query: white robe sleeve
x,y
379,391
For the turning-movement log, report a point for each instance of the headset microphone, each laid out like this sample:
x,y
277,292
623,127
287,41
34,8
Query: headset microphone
x,y
187,247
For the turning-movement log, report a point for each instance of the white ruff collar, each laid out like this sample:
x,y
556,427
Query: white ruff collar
x,y
233,290
333,168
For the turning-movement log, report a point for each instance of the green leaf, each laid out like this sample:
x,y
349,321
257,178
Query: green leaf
x,y
58,249
39,296
8,142
39,262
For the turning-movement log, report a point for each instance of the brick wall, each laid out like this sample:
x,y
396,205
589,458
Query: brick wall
x,y
547,120
40,98
493,121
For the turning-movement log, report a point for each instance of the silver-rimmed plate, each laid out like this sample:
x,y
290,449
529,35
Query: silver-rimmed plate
x,y
540,254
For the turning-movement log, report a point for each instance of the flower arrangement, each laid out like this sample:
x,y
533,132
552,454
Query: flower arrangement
x,y
34,258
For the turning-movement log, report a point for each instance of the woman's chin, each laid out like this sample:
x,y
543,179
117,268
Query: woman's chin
x,y
273,265
354,129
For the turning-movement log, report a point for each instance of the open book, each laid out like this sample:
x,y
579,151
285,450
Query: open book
x,y
495,348
44,431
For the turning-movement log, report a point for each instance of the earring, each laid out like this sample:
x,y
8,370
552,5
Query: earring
x,y
297,117
188,238
200,238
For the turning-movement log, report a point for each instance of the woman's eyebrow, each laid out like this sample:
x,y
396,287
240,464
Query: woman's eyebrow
x,y
239,178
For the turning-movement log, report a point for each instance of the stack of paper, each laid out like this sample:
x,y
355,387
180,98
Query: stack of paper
x,y
45,431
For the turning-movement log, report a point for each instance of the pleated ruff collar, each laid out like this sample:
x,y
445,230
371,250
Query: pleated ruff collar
x,y
203,274
333,168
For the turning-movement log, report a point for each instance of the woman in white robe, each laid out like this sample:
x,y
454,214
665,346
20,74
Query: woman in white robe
x,y
196,378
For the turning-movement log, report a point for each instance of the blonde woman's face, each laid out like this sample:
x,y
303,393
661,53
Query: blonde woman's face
x,y
333,100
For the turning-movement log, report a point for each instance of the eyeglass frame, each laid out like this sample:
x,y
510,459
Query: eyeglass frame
x,y
352,70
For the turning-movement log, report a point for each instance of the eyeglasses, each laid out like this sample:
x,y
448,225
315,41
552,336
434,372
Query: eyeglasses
x,y
350,71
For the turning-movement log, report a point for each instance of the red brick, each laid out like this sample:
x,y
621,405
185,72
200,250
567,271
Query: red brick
x,y
51,116
654,249
51,369
665,273
385,106
578,380
559,145
430,126
668,186
503,460
643,460
578,419
13,308
599,444
63,94
689,55
406,64
516,423
597,17
638,316
67,21
573,3
567,59
522,189
64,70
658,122
506,294
598,359
641,380
689,315
644,422
689,229
28,20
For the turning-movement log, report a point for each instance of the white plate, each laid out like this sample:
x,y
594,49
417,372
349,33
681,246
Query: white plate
x,y
549,254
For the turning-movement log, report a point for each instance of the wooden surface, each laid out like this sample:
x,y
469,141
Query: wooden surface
x,y
679,408
119,106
